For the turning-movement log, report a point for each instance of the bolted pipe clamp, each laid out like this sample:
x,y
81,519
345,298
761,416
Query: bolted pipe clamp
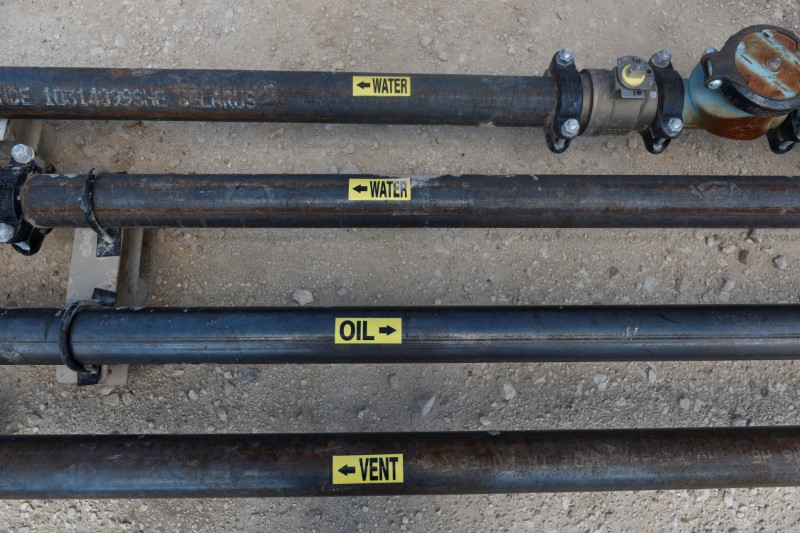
x,y
565,123
668,123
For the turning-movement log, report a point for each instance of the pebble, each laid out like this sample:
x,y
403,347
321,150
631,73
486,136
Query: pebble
x,y
341,292
250,375
728,285
222,414
633,142
651,375
426,404
442,55
349,149
650,284
507,390
302,297
780,262
111,399
728,248
613,272
739,421
746,258
712,241
394,382
229,13
349,168
601,380
192,395
484,420
756,235
426,41
685,403
128,398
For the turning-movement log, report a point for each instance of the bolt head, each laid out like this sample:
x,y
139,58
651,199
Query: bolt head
x,y
714,84
709,50
774,63
22,154
570,128
565,56
6,232
664,55
674,126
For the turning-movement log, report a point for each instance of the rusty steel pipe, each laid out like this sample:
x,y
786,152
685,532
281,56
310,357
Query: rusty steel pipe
x,y
270,96
260,465
286,335
318,200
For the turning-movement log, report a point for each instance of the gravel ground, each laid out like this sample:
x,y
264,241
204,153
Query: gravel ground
x,y
405,267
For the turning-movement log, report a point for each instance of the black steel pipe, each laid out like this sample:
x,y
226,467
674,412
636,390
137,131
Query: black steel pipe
x,y
605,201
194,466
270,96
403,335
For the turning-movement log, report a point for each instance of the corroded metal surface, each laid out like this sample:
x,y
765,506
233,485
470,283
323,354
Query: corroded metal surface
x,y
303,200
181,466
769,62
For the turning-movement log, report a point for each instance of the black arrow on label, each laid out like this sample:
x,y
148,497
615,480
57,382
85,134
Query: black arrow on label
x,y
387,330
347,470
360,188
363,85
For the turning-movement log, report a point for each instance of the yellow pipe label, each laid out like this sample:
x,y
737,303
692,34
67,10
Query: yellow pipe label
x,y
379,189
362,469
381,86
368,331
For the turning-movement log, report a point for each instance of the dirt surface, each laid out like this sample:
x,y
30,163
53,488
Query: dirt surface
x,y
404,267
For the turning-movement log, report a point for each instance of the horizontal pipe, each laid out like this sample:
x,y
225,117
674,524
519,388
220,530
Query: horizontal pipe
x,y
258,465
314,200
270,96
403,335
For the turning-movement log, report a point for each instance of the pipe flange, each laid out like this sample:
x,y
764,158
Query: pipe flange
x,y
565,123
14,229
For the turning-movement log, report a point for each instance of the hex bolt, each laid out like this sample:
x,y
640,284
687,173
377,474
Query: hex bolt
x,y
774,63
565,57
709,50
22,154
674,126
570,128
661,58
6,232
714,84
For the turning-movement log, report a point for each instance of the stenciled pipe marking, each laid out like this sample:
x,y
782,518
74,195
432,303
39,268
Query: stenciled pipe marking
x,y
104,97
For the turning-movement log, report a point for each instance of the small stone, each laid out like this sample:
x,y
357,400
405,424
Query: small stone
x,y
484,420
338,65
685,403
112,400
613,272
728,248
34,420
681,285
250,375
228,389
601,380
229,13
394,382
651,375
222,414
426,41
610,145
740,421
349,168
128,398
728,285
511,51
341,292
650,284
442,55
507,390
712,241
302,297
756,235
364,509
349,149
192,394
105,391
746,258
633,142
426,404
780,262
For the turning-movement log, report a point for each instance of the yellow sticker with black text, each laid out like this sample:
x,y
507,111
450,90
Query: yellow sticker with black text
x,y
381,86
369,331
379,189
361,469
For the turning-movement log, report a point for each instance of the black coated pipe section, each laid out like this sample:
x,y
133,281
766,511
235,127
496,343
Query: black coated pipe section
x,y
403,335
264,96
604,201
252,465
